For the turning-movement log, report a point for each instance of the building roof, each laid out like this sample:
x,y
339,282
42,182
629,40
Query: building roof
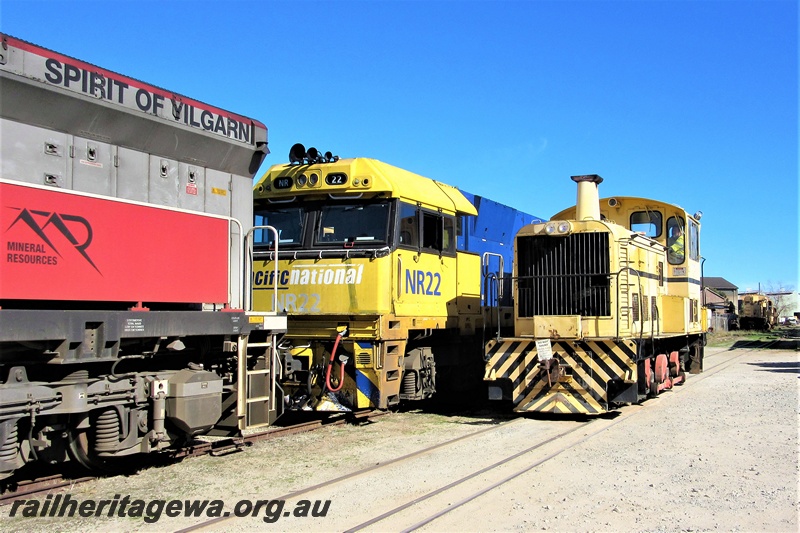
x,y
713,298
719,283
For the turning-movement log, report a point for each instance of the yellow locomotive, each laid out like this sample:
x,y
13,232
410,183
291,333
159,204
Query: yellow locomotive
x,y
606,306
387,283
757,311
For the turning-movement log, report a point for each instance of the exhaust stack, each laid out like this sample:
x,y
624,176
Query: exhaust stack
x,y
588,207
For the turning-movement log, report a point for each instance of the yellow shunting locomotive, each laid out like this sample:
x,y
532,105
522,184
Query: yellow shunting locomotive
x,y
757,311
607,306
387,283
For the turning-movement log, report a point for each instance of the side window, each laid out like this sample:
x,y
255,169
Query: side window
x,y
676,242
408,235
427,230
431,231
694,241
449,237
647,223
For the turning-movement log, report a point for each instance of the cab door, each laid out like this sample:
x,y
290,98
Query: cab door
x,y
425,265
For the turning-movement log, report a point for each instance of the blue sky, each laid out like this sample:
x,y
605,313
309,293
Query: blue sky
x,y
691,102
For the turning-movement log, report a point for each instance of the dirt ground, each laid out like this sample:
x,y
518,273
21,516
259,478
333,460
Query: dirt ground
x,y
722,456
719,455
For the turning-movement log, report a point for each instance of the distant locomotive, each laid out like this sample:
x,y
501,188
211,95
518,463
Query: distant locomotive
x,y
123,212
757,311
391,280
606,306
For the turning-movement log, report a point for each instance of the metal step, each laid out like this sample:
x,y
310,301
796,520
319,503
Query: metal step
x,y
258,389
258,399
259,344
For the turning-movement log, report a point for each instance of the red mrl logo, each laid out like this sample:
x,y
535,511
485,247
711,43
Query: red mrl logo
x,y
62,223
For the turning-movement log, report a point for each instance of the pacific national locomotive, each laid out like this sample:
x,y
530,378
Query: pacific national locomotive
x,y
391,280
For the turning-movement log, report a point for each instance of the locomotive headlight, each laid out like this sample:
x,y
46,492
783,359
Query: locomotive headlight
x,y
301,180
313,179
550,228
564,227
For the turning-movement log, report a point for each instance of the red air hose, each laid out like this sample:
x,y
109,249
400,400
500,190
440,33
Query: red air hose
x,y
330,364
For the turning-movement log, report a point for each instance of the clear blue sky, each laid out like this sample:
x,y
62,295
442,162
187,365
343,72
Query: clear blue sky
x,y
691,102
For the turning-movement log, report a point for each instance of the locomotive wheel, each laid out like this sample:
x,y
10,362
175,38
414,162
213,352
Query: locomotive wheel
x,y
653,385
78,448
80,452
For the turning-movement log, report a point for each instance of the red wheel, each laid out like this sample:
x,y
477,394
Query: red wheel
x,y
674,364
662,368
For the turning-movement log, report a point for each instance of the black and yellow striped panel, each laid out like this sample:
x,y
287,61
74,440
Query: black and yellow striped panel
x,y
562,398
590,366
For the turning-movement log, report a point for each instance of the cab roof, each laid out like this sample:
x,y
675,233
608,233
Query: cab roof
x,y
383,180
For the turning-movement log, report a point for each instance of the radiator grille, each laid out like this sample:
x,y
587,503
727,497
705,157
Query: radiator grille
x,y
564,275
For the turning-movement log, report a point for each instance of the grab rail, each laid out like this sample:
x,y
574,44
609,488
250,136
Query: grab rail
x,y
249,268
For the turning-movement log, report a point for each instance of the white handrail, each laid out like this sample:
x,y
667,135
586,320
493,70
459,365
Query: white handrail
x,y
242,267
500,274
249,269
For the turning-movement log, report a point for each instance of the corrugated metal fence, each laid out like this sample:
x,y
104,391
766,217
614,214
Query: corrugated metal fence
x,y
719,322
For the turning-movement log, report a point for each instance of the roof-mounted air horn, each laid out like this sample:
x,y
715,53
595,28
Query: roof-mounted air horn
x,y
299,155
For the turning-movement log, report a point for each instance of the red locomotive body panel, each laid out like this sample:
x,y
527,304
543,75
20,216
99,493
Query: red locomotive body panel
x,y
60,245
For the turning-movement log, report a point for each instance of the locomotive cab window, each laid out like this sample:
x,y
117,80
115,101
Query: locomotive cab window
x,y
352,224
694,241
426,231
408,234
289,221
431,232
449,235
438,232
676,241
647,223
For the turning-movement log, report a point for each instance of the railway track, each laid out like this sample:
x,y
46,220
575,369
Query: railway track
x,y
597,426
478,481
489,477
46,484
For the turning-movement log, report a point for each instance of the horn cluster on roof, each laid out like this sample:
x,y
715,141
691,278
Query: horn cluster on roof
x,y
299,155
